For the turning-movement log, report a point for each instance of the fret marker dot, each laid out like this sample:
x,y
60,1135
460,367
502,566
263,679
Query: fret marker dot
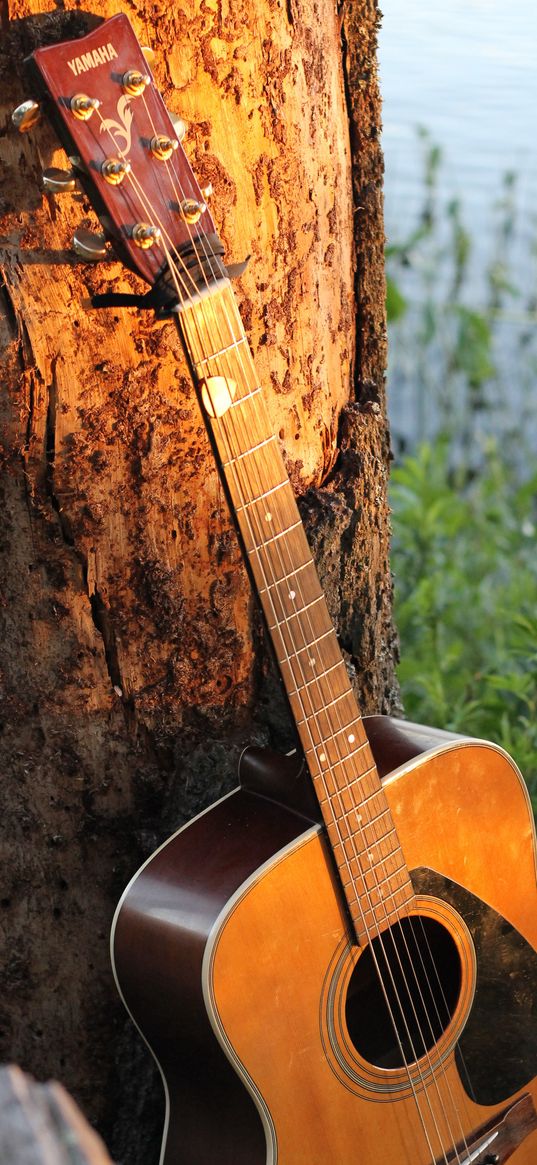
x,y
312,662
268,517
351,738
359,818
322,756
292,595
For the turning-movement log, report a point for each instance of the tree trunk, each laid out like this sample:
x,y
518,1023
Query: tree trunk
x,y
134,665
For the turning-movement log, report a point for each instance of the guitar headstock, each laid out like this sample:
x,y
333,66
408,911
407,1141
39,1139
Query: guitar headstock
x,y
99,94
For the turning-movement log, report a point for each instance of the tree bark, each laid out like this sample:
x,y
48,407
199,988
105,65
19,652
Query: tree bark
x,y
134,664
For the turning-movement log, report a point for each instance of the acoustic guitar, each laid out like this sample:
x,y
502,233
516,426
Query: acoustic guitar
x,y
335,964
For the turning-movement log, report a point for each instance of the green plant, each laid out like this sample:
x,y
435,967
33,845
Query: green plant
x,y
463,335
465,564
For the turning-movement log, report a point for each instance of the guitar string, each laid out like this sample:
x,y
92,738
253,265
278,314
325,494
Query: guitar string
x,y
426,1051
184,275
147,204
344,849
262,570
381,896
366,927
312,740
282,563
296,612
415,1057
418,919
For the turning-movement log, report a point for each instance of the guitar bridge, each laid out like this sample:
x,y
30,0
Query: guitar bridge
x,y
495,1142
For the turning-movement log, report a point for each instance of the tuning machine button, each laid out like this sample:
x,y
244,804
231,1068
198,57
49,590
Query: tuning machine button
x,y
162,147
89,245
180,127
78,164
149,54
134,82
56,181
145,235
207,191
83,106
25,116
114,170
190,210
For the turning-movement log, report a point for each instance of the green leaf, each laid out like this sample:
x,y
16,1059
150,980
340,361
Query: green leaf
x,y
396,304
473,349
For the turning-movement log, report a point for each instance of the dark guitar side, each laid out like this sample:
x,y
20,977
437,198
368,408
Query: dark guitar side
x,y
158,947
159,943
161,929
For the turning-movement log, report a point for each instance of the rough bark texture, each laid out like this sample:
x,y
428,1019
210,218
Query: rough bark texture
x,y
134,667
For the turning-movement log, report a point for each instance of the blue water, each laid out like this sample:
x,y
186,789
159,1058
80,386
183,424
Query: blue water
x,y
466,70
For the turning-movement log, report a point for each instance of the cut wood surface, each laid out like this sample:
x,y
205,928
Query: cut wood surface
x,y
133,663
41,1125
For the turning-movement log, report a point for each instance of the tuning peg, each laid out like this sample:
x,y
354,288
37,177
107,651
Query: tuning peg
x,y
162,147
191,210
179,125
89,245
145,235
114,170
83,107
133,82
78,164
149,54
56,181
207,191
25,116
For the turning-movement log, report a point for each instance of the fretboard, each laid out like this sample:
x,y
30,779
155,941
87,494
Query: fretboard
x,y
358,820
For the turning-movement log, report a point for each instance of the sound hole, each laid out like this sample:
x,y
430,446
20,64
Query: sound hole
x,y
396,1021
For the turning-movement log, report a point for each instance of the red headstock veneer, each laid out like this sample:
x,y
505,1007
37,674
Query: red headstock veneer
x,y
99,94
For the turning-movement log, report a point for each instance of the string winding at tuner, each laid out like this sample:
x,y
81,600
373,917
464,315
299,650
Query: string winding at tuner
x,y
377,943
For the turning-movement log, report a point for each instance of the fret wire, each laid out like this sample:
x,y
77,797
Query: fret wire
x,y
287,578
267,593
273,538
355,780
385,893
221,352
377,841
331,704
367,849
402,888
241,399
326,650
247,452
377,862
364,824
394,893
260,497
339,790
367,881
379,896
299,650
306,646
385,835
302,688
334,735
296,615
387,913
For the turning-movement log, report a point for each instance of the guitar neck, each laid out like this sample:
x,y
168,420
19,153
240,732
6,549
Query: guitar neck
x,y
355,811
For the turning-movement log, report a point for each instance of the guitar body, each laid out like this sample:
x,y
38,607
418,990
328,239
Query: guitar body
x,y
361,991
231,952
